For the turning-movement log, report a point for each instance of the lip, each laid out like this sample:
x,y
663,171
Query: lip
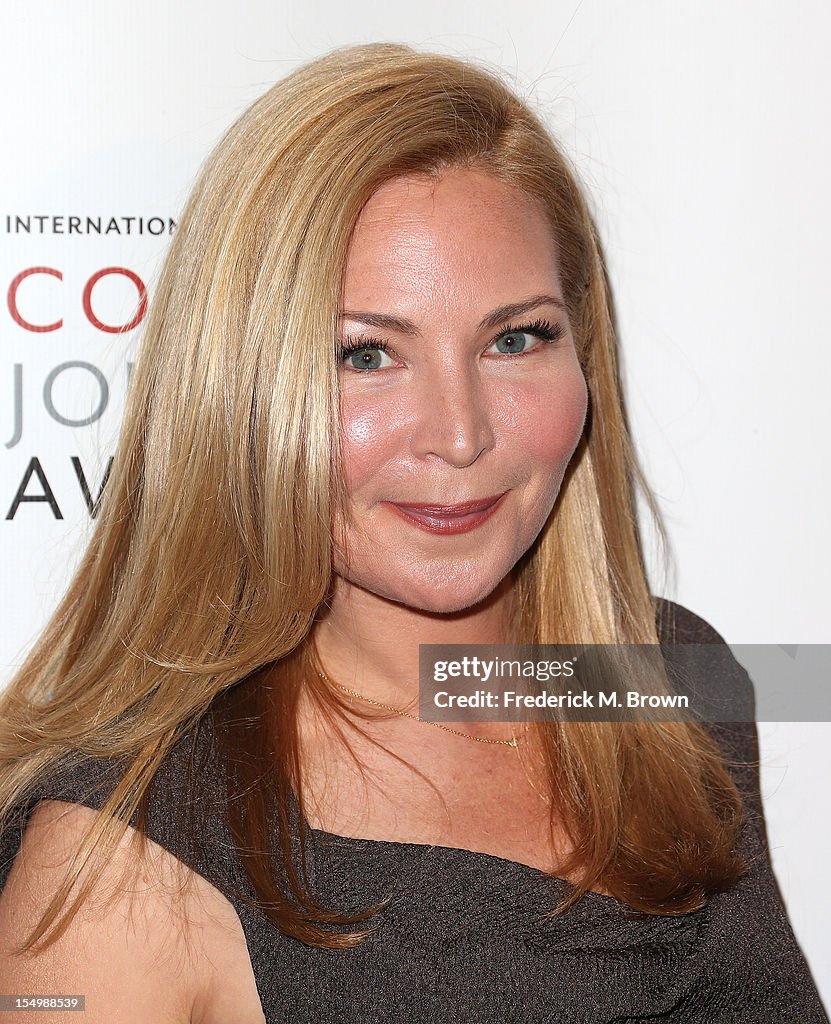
x,y
447,519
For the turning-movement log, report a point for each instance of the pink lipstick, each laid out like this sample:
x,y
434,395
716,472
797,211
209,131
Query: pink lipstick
x,y
449,518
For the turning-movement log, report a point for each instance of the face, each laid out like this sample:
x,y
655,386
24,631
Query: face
x,y
447,396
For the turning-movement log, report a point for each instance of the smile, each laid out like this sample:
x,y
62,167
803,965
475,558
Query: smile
x,y
449,518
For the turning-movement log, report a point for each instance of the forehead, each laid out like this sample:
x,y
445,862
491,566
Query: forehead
x,y
461,234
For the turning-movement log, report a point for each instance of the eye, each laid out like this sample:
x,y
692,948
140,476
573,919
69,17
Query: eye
x,y
365,355
515,341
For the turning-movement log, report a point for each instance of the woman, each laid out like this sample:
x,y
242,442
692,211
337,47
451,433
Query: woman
x,y
376,406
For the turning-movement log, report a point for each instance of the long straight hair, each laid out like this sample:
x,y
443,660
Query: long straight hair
x,y
212,552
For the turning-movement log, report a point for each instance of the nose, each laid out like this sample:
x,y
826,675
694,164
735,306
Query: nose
x,y
453,421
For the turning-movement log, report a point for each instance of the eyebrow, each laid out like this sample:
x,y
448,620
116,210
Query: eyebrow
x,y
385,321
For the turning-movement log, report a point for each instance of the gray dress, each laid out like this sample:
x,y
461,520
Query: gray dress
x,y
463,937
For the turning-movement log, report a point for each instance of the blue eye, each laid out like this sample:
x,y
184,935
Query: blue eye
x,y
513,342
364,355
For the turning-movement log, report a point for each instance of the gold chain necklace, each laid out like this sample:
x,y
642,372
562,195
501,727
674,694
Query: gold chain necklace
x,y
512,742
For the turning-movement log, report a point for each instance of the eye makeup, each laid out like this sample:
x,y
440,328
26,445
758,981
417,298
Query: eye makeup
x,y
542,329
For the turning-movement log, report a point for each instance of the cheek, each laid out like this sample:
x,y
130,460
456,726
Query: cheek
x,y
368,440
548,419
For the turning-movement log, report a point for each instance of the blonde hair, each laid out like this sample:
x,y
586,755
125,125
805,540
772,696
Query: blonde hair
x,y
212,556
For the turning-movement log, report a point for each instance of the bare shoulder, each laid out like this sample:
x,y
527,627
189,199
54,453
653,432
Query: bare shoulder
x,y
152,941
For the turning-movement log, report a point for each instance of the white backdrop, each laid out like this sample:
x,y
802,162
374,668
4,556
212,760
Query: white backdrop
x,y
701,132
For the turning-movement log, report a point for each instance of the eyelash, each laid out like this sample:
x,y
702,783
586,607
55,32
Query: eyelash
x,y
542,329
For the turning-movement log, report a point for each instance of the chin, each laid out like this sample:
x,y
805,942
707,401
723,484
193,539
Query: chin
x,y
440,598
433,586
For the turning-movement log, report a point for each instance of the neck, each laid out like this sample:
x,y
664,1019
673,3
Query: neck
x,y
371,644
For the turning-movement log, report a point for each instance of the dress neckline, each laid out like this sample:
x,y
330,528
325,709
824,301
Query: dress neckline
x,y
421,852
460,853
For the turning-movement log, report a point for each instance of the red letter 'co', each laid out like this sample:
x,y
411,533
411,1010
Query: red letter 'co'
x,y
87,300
